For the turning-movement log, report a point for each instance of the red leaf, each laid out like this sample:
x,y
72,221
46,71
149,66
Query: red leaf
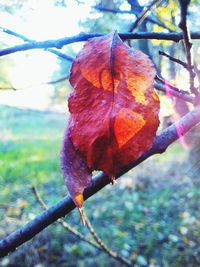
x,y
75,171
114,109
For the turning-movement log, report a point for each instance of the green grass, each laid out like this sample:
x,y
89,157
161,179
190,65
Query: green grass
x,y
29,150
151,216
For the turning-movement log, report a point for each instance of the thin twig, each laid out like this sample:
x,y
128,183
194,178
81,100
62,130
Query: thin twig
x,y
25,39
187,43
197,72
38,198
59,43
171,86
171,92
72,230
134,12
99,241
59,80
144,14
64,223
180,62
8,88
66,205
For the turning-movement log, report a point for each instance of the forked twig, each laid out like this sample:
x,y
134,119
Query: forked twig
x,y
187,43
63,222
99,244
25,39
143,15
134,12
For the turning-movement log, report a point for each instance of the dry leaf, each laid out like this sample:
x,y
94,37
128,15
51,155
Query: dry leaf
x,y
114,111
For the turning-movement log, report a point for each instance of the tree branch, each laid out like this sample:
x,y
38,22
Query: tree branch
x,y
175,93
180,62
187,43
62,222
144,14
104,247
25,39
174,88
115,10
59,80
98,244
66,205
59,43
134,12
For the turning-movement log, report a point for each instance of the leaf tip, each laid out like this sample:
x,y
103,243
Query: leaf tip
x,y
78,200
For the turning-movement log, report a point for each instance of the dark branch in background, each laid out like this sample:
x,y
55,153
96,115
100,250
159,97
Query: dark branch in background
x,y
163,86
59,54
62,79
8,88
58,80
66,205
180,62
59,43
175,93
25,39
187,43
144,14
134,12
115,10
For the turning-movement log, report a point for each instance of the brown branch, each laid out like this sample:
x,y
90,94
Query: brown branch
x,y
104,247
66,205
59,43
180,62
187,43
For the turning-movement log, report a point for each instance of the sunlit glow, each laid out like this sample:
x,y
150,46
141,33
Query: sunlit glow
x,y
42,21
144,2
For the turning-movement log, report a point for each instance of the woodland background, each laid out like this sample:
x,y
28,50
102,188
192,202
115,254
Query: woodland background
x,y
152,216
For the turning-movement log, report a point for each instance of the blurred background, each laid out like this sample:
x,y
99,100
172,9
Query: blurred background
x,y
152,216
